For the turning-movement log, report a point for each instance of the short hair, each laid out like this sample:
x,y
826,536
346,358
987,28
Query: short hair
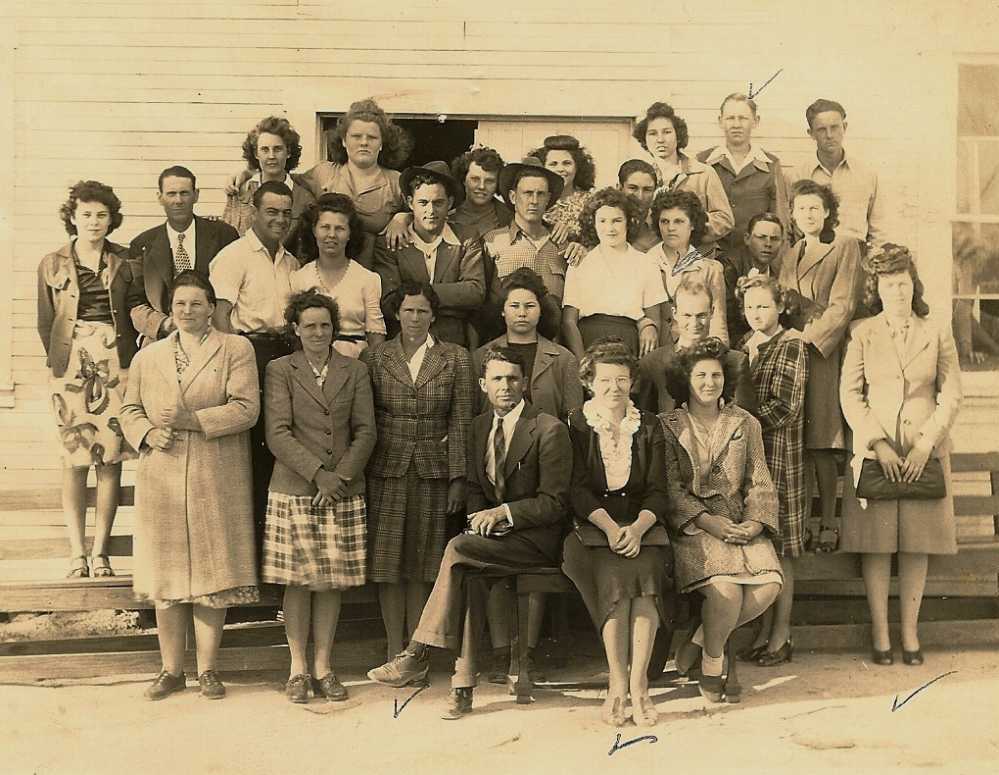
x,y
890,258
586,170
608,349
823,106
176,171
682,365
738,97
662,110
808,187
758,280
487,158
525,279
766,217
687,201
270,187
90,191
691,285
424,179
330,203
190,278
495,352
414,288
273,125
397,144
632,166
309,299
608,197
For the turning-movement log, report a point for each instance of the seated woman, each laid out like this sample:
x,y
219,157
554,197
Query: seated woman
x,y
681,222
191,401
724,509
618,487
332,239
321,428
901,391
615,290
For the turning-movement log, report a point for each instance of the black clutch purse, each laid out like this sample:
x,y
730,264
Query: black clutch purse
x,y
592,536
875,486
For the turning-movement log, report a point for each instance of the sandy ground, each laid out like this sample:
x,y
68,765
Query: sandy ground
x,y
820,713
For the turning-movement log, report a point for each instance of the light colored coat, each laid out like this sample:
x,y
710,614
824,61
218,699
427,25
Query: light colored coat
x,y
194,516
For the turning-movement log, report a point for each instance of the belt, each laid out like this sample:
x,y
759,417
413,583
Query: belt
x,y
350,338
264,336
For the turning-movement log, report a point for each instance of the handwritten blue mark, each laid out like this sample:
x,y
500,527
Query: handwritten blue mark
x,y
766,83
618,745
397,708
896,705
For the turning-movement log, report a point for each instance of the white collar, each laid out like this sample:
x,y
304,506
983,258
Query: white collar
x,y
257,245
287,179
189,231
600,422
756,154
510,419
447,235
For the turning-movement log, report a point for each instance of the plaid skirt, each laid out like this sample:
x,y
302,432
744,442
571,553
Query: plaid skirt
x,y
308,546
407,527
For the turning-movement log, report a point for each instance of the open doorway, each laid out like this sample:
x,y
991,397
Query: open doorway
x,y
435,138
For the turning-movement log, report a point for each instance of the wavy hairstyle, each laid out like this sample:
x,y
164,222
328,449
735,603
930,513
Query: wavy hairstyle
x,y
90,191
682,366
586,170
681,200
273,125
413,288
830,201
487,158
310,299
892,259
397,144
330,203
608,197
757,279
662,110
608,349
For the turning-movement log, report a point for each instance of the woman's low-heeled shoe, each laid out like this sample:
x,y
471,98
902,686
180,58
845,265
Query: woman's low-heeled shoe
x,y
778,657
882,657
752,653
644,712
613,711
912,657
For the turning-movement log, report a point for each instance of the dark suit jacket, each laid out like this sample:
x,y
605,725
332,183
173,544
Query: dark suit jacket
x,y
153,261
538,469
653,395
459,280
309,427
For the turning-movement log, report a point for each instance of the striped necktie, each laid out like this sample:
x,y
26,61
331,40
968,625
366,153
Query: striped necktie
x,y
499,459
181,260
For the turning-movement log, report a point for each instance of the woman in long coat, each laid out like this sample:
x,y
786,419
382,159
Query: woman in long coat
x,y
190,404
901,392
822,270
416,477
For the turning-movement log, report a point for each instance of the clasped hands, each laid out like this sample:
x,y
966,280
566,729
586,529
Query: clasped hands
x,y
332,488
625,540
724,529
168,421
897,469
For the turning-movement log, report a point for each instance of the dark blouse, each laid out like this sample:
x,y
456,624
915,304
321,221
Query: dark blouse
x,y
527,353
95,302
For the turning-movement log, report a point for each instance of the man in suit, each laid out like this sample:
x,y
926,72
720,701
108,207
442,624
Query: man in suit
x,y
185,241
519,467
436,254
692,311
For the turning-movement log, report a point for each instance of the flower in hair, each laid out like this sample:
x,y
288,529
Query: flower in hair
x,y
888,259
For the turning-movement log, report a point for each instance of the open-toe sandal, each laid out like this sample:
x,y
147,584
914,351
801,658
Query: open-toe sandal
x,y
613,711
78,568
644,712
100,567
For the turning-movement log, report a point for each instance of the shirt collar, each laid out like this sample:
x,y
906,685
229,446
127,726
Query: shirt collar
x,y
756,156
287,179
516,231
188,232
510,418
843,163
256,245
447,235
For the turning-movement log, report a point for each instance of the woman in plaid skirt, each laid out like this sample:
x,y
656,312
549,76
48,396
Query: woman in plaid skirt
x,y
321,429
778,360
423,403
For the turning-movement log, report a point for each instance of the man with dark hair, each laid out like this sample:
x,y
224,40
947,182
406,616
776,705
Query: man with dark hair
x,y
184,241
637,179
760,250
435,254
861,211
519,467
752,177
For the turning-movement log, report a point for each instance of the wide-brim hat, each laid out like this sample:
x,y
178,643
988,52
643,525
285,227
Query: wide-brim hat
x,y
510,171
439,171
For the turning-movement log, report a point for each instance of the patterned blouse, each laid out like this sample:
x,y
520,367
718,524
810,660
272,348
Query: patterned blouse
x,y
568,210
181,358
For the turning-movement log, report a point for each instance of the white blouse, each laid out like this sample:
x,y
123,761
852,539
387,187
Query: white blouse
x,y
609,283
615,442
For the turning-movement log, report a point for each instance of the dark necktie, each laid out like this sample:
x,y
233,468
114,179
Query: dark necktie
x,y
181,259
499,458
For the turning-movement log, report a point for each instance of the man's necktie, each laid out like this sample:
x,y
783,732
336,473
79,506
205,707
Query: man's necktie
x,y
181,260
499,457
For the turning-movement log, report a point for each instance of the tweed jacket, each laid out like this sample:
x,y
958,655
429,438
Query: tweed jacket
x,y
832,282
555,386
59,300
653,394
738,487
646,486
459,280
701,179
538,470
900,399
152,258
194,515
423,424
311,428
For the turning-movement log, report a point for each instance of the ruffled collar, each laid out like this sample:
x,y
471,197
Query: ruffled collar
x,y
603,425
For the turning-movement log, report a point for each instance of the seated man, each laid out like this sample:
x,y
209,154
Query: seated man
x,y
519,467
435,255
692,312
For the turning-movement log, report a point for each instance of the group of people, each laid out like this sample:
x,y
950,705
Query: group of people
x,y
435,379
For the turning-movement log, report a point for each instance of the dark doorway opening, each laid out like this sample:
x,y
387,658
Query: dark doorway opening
x,y
437,138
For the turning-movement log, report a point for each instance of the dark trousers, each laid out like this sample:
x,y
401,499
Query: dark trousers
x,y
455,612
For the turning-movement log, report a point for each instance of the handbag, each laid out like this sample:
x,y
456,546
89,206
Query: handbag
x,y
874,485
592,536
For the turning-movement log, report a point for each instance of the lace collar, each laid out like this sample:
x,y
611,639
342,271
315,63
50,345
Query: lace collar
x,y
604,425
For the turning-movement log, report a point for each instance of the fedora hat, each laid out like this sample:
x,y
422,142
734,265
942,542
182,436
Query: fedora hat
x,y
440,172
509,173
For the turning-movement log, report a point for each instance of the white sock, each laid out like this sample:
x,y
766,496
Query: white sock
x,y
711,666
